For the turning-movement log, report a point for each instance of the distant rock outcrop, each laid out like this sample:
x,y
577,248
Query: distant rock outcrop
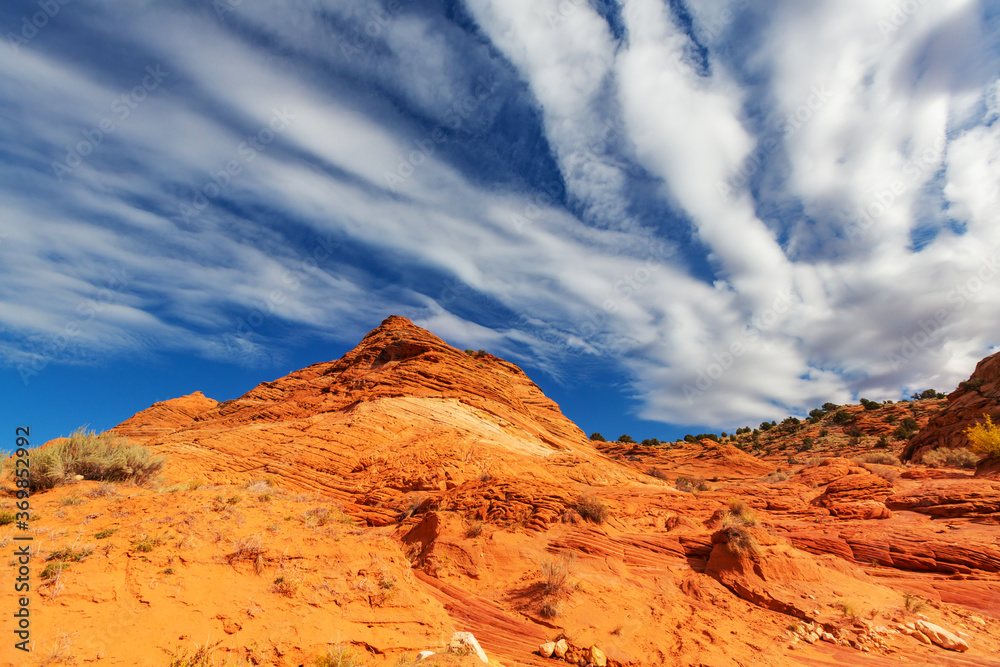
x,y
978,395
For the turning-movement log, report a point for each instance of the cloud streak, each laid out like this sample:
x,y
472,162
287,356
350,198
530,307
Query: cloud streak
x,y
537,178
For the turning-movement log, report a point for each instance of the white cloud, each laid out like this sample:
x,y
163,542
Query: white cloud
x,y
803,302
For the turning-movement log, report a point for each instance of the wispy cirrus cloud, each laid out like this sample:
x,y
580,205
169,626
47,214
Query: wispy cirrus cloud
x,y
537,177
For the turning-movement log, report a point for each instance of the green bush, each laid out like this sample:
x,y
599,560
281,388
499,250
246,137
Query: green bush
x,y
841,417
625,438
870,405
97,456
597,436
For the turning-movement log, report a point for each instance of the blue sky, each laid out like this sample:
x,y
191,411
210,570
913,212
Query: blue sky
x,y
677,217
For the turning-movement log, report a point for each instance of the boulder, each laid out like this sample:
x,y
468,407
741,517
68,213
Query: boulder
x,y
597,657
465,643
547,649
942,637
560,648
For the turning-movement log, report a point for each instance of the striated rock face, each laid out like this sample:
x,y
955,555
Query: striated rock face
x,y
165,417
952,498
857,496
978,395
401,412
446,496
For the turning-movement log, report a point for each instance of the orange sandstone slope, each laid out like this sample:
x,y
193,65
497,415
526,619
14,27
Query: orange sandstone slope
x,y
416,490
401,412
977,396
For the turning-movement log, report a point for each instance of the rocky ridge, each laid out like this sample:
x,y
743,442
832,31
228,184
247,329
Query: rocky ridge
x,y
383,502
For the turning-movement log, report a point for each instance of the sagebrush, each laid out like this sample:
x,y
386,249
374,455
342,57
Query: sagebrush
x,y
97,456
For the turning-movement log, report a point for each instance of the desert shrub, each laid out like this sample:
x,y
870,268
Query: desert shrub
x,y
914,603
807,444
650,442
106,533
474,529
883,441
598,437
690,485
96,456
911,424
817,414
626,438
950,458
870,405
823,432
738,513
105,490
69,554
555,574
882,458
850,609
248,548
765,426
891,419
774,478
830,407
658,474
6,518
145,543
984,437
853,432
203,656
972,384
929,393
550,609
741,542
841,417
53,570
338,656
888,473
283,586
591,508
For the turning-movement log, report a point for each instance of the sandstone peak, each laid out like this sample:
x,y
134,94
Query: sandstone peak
x,y
978,395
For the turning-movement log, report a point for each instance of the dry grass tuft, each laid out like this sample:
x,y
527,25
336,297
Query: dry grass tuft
x,y
284,586
950,458
96,456
474,529
775,478
555,573
591,508
914,603
880,458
